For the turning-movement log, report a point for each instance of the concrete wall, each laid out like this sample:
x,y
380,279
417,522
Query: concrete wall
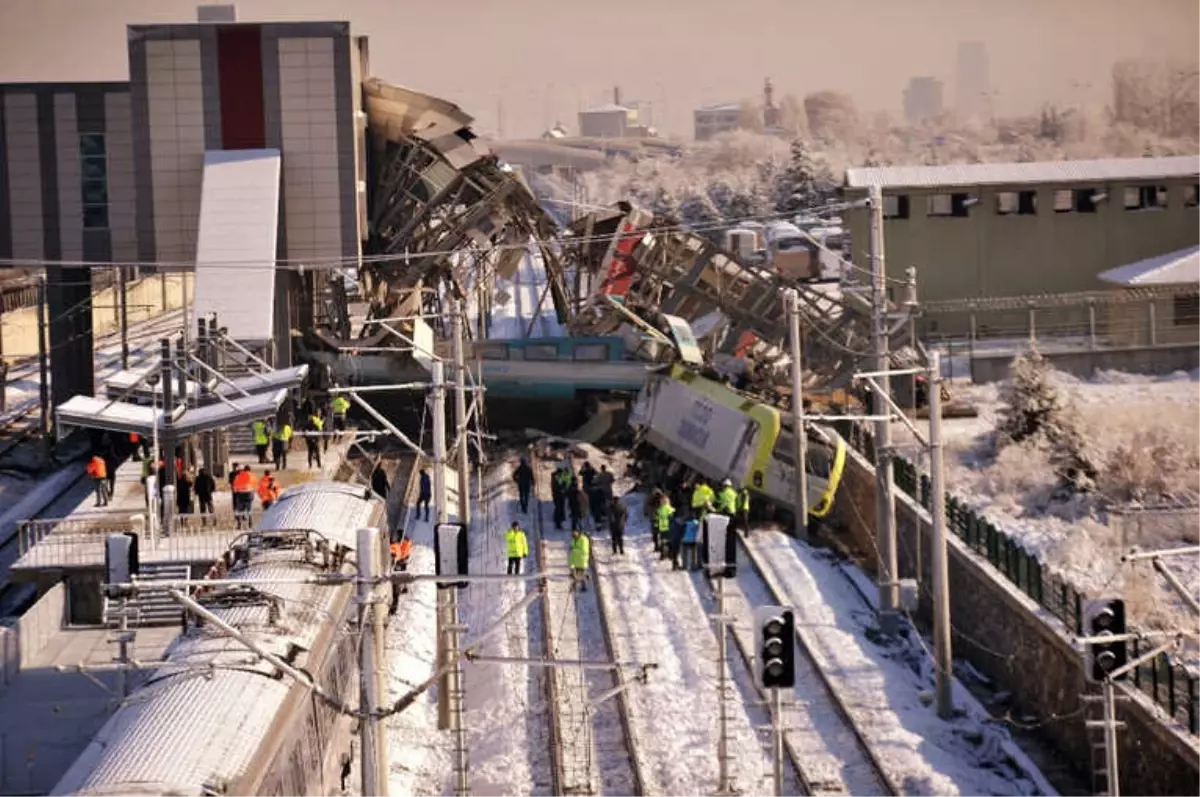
x,y
1008,637
989,254
21,642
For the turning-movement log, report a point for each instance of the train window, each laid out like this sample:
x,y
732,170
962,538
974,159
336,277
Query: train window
x,y
492,351
541,352
591,352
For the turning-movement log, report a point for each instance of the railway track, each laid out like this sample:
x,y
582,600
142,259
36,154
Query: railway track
x,y
826,743
581,732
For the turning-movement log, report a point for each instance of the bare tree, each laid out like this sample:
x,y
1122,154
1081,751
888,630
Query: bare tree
x,y
831,116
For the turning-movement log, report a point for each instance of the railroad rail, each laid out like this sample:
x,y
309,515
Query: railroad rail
x,y
575,722
859,758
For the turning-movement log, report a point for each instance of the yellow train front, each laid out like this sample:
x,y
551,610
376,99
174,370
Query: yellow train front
x,y
723,434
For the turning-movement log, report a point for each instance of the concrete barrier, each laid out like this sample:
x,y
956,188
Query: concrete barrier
x,y
1024,649
22,639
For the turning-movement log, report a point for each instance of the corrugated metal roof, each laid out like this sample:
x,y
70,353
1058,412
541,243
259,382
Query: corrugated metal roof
x,y
235,247
967,174
721,106
1174,268
118,416
608,108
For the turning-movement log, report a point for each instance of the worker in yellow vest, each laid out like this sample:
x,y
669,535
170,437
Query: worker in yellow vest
x,y
726,501
262,438
340,406
517,546
316,425
280,443
702,499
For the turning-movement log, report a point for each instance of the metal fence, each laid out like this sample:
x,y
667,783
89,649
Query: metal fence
x,y
1169,684
80,542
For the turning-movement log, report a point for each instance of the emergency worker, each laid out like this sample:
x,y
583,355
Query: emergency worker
x,y
579,557
262,438
268,490
97,471
517,547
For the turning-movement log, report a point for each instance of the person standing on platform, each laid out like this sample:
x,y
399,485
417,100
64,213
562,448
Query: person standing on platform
x,y
243,495
379,482
183,493
262,438
425,494
110,467
617,517
268,491
98,473
523,476
205,487
280,443
560,487
517,547
579,557
340,406
315,427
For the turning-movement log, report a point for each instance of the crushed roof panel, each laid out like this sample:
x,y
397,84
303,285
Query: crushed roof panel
x,y
1174,268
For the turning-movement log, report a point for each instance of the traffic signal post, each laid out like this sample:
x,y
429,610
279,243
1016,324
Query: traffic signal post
x,y
775,669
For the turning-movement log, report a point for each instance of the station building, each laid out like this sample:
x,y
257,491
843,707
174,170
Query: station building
x,y
235,143
1021,229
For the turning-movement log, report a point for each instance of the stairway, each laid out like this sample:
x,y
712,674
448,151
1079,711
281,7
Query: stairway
x,y
149,608
233,363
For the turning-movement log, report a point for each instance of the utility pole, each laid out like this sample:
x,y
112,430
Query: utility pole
x,y
791,301
885,499
455,680
43,363
122,303
168,442
439,499
777,740
723,784
371,686
1111,764
941,577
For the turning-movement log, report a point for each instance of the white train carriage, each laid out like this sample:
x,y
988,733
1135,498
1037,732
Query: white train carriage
x,y
214,719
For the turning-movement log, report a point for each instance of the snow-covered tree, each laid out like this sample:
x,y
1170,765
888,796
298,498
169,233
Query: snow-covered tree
x,y
804,183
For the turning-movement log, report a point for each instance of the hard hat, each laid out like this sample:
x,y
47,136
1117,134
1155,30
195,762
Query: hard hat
x,y
727,483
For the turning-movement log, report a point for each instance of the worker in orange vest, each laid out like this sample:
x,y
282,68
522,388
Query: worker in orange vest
x,y
243,495
97,470
401,549
268,490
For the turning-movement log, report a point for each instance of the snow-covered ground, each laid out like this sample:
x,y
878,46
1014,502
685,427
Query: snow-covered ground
x,y
1143,426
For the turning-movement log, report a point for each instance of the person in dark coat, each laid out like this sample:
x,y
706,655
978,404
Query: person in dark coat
x,y
183,494
379,483
205,487
576,504
560,489
523,476
675,541
425,495
617,516
587,474
110,463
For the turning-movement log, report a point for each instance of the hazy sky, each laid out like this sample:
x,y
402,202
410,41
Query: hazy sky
x,y
545,59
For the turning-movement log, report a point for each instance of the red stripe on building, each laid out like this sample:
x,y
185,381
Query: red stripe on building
x,y
239,59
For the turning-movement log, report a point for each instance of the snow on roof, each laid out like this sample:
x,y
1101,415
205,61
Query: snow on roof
x,y
608,108
1174,268
964,174
721,106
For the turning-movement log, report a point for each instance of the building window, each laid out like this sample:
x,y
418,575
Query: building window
x,y
1191,196
1023,203
895,206
492,351
591,352
1085,200
948,205
94,173
541,352
1187,310
1064,201
1145,197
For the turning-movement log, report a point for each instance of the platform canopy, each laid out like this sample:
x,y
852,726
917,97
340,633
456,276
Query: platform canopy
x,y
88,412
121,384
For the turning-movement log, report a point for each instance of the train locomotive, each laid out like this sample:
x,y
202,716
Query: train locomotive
x,y
722,434
216,719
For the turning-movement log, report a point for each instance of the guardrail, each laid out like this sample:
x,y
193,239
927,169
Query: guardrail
x,y
79,542
1170,685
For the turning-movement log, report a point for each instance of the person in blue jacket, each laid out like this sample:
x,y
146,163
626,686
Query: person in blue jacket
x,y
691,536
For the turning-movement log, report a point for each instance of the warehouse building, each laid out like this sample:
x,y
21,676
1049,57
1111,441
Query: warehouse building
x,y
1021,229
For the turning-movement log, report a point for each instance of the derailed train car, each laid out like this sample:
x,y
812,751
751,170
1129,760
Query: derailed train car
x,y
216,719
722,434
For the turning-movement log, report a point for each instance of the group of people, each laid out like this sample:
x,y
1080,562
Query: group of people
x,y
677,534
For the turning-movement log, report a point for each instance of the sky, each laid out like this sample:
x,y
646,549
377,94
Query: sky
x,y
518,66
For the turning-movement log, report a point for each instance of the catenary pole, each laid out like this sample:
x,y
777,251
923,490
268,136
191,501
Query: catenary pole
x,y
799,438
437,368
371,685
455,676
885,500
43,361
937,503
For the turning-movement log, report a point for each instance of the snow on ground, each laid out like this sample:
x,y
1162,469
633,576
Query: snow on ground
x,y
511,318
887,687
1079,538
508,738
660,618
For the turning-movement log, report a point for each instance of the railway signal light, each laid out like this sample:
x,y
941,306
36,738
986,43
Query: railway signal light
x,y
775,634
1102,618
719,546
450,553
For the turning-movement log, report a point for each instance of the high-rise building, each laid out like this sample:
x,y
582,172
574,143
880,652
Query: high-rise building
x,y
972,80
922,99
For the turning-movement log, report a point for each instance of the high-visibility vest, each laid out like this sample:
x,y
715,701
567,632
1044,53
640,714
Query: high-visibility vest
x,y
516,542
96,468
401,550
563,477
283,433
340,405
662,516
727,501
268,489
133,438
244,482
260,434
317,422
581,551
701,496
743,504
